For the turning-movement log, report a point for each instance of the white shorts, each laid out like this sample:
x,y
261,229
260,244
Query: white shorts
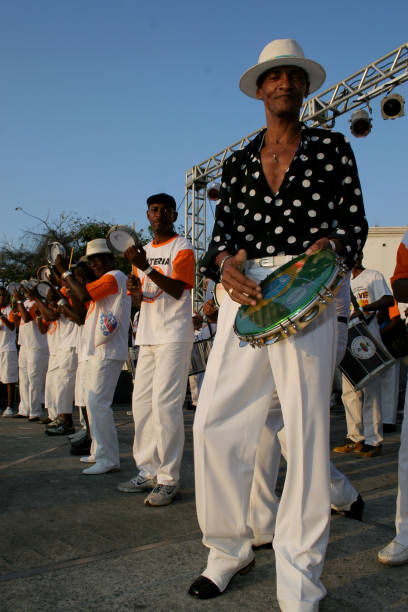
x,y
8,367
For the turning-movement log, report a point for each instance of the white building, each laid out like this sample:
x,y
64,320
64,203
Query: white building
x,y
380,250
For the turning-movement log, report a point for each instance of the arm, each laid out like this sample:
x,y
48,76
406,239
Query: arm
x,y
386,301
352,227
7,322
400,289
172,286
76,287
25,315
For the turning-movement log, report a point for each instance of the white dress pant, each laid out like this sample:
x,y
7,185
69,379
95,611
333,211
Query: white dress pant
x,y
60,382
157,402
401,519
233,407
389,393
102,378
363,412
32,367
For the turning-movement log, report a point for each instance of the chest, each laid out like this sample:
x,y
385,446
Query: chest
x,y
275,160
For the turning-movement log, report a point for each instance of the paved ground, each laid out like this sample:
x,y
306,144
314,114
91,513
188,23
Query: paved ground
x,y
71,542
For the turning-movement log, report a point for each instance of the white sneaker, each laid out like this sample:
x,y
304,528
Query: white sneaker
x,y
138,484
8,412
162,495
88,459
393,554
100,468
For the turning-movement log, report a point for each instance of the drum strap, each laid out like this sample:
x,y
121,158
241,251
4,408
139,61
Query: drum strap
x,y
361,316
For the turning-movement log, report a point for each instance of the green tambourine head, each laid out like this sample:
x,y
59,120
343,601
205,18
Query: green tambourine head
x,y
286,294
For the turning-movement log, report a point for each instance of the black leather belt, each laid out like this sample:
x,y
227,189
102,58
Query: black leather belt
x,y
342,320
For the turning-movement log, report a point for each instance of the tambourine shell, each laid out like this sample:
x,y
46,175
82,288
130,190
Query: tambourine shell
x,y
44,273
11,287
120,238
293,295
54,249
43,288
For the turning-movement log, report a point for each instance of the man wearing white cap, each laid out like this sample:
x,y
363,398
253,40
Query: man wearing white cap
x,y
106,337
292,189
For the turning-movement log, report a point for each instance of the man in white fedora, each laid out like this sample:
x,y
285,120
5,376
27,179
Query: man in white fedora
x,y
291,190
106,336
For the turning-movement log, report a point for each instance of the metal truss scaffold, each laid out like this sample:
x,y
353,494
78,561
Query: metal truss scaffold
x,y
375,79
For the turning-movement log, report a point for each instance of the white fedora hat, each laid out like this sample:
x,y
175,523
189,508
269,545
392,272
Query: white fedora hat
x,y
97,247
282,52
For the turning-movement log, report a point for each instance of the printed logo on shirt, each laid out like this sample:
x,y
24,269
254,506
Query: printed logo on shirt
x,y
362,297
151,292
108,323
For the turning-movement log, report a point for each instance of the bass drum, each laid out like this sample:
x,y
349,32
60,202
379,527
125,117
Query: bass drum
x,y
365,356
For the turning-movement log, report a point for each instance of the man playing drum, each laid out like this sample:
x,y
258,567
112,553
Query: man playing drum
x,y
363,408
291,189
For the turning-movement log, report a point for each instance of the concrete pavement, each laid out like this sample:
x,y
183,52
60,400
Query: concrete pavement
x,y
72,542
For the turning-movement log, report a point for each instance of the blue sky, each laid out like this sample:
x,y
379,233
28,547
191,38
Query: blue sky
x,y
105,102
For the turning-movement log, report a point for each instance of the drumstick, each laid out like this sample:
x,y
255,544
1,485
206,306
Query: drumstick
x,y
70,259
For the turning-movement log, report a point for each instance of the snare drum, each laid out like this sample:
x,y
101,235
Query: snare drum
x,y
292,297
365,356
120,238
199,356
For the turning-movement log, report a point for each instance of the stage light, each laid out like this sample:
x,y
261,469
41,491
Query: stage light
x,y
392,106
360,123
213,191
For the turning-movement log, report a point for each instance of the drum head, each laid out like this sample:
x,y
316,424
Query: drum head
x,y
29,284
290,293
54,249
120,238
12,286
44,273
43,288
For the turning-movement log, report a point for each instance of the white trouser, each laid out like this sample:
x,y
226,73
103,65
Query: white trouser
x,y
389,393
363,412
401,518
60,382
102,378
233,406
264,502
32,365
157,402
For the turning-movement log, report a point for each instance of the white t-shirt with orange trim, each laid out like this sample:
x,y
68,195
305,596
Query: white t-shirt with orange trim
x,y
61,335
7,336
28,334
104,292
163,319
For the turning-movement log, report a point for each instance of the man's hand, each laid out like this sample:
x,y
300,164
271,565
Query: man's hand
x,y
60,264
137,256
133,284
324,243
240,288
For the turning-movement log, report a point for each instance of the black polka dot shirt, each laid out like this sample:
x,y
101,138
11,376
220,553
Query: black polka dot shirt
x,y
320,196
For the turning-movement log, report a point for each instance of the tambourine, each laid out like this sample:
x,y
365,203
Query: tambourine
x,y
293,296
43,288
120,238
29,285
53,250
44,273
11,287
219,294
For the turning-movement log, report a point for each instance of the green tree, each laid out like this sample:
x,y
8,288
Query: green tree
x,y
72,231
